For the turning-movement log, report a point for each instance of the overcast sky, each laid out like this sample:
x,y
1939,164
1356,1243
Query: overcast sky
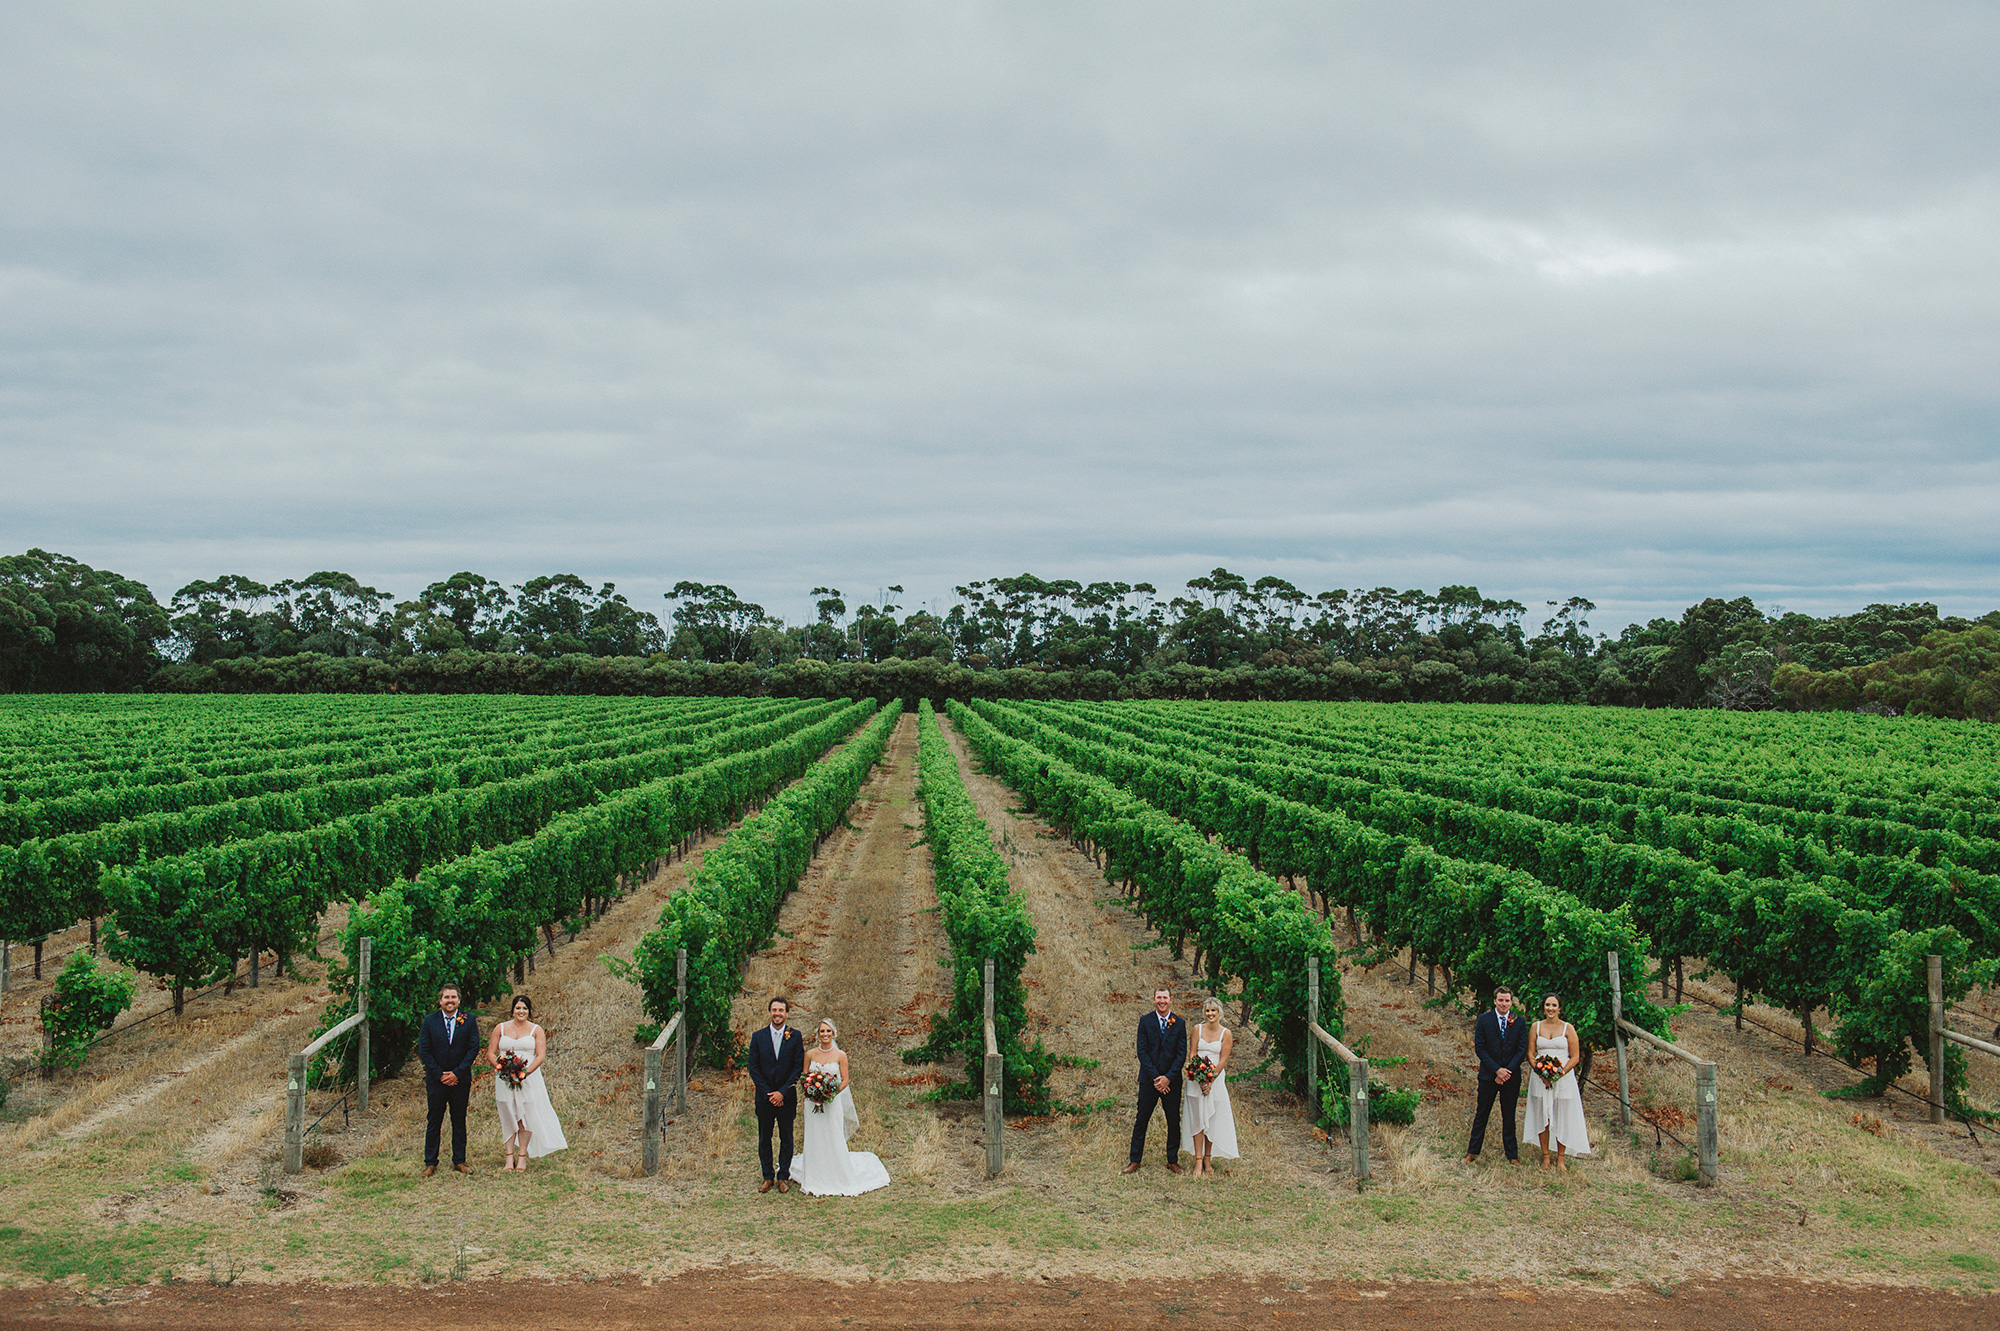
x,y
1639,302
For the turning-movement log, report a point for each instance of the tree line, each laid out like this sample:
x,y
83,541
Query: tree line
x,y
66,627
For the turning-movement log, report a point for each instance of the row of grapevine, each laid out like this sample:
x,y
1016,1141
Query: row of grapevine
x,y
1756,833
186,917
1927,774
93,808
63,871
1801,942
1686,903
729,907
468,920
1489,924
983,918
1244,925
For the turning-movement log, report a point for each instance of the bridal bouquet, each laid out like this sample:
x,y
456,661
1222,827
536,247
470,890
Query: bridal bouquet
x,y
512,1069
820,1087
1201,1071
1549,1068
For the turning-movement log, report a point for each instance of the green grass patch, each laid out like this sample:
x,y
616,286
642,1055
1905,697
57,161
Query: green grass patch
x,y
117,1257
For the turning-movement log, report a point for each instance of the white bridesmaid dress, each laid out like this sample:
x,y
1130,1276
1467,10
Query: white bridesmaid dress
x,y
824,1167
1209,1113
1558,1108
528,1104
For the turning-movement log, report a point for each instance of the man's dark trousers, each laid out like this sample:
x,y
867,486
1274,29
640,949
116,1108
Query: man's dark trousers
x,y
443,1097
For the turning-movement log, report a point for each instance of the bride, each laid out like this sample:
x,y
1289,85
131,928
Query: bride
x,y
825,1167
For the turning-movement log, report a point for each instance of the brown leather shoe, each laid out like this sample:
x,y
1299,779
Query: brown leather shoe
x,y
765,1186
1131,1167
1173,1168
464,1169
1471,1159
784,1185
430,1170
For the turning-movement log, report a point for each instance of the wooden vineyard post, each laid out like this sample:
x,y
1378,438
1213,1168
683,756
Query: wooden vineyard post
x,y
6,964
1934,981
649,1128
1357,1118
361,1037
681,1045
1312,1045
1708,1147
1618,1035
295,1115
996,1080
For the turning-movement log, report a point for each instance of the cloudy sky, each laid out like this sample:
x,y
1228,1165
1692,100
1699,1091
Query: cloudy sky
x,y
1639,302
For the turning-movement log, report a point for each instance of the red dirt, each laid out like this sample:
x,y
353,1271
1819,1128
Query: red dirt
x,y
745,1298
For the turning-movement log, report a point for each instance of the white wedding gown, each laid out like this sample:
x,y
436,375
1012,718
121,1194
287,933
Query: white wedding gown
x,y
824,1167
1558,1108
1209,1113
528,1106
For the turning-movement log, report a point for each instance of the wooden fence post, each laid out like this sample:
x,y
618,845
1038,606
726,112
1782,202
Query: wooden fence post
x,y
996,1081
1934,979
295,1115
361,1005
6,964
1618,1036
1357,1118
649,1130
1710,1148
1312,1044
681,1043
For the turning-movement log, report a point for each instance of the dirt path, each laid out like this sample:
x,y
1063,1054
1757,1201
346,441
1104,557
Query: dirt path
x,y
859,942
1092,976
744,1298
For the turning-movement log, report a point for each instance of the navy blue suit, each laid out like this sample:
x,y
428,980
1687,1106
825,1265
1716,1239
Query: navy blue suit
x,y
441,1049
1162,1053
776,1071
1498,1051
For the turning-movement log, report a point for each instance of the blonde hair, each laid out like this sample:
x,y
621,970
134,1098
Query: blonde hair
x,y
1208,1003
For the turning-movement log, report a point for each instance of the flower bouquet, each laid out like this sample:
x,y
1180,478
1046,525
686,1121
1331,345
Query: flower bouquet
x,y
512,1069
820,1086
1201,1070
1549,1068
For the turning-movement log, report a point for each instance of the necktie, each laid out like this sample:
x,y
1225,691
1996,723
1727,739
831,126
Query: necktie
x,y
450,1029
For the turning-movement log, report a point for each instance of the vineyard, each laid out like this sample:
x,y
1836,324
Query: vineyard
x,y
868,860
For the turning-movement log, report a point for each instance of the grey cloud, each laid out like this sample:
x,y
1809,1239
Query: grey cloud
x,y
1646,304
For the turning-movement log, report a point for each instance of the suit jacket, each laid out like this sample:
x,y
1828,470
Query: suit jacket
x,y
775,1072
440,1055
1162,1053
1496,1052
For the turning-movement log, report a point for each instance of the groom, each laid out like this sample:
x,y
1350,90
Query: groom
x,y
447,1043
777,1057
1162,1051
1500,1038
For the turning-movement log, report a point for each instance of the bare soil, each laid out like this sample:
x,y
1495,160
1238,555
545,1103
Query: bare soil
x,y
744,1298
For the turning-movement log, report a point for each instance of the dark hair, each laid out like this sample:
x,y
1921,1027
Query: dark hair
x,y
1503,989
454,988
780,998
518,1000
1557,997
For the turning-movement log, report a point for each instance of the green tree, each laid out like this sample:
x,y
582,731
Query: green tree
x,y
66,627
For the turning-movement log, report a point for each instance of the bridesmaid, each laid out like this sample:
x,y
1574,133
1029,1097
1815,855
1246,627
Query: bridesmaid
x,y
528,1125
1556,1112
1207,1122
